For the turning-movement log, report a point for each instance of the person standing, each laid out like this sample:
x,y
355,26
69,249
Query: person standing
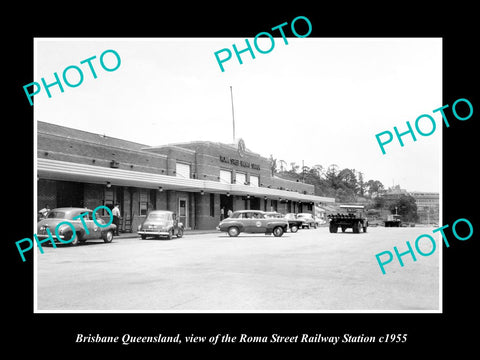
x,y
116,218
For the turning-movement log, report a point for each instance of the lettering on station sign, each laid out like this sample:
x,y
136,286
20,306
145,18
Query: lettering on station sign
x,y
236,162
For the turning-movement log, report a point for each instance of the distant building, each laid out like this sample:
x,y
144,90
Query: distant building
x,y
394,193
428,206
428,203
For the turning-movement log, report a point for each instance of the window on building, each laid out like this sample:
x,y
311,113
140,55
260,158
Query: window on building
x,y
143,208
143,202
240,178
226,176
254,180
182,170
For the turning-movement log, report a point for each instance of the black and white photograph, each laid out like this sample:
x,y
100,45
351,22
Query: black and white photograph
x,y
258,188
270,183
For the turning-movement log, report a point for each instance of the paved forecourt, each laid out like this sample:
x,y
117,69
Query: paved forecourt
x,y
311,270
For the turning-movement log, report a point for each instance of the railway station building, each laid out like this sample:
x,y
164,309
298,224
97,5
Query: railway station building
x,y
199,180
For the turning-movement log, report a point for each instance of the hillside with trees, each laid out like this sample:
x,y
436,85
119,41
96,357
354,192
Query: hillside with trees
x,y
348,186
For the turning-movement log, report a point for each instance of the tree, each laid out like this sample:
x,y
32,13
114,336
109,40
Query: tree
x,y
282,163
319,171
374,187
331,176
405,206
305,171
349,179
273,165
294,167
361,184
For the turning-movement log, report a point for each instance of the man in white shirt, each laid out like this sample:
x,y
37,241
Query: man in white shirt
x,y
116,218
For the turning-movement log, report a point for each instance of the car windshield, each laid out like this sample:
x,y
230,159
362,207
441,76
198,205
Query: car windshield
x,y
304,215
159,216
54,214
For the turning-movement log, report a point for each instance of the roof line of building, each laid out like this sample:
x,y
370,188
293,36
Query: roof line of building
x,y
229,146
104,145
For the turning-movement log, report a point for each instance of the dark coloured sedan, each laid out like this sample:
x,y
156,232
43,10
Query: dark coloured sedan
x,y
84,225
160,223
293,223
253,221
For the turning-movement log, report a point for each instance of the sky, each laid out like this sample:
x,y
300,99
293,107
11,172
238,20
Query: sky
x,y
316,100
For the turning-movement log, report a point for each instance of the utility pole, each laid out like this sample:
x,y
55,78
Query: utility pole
x,y
233,114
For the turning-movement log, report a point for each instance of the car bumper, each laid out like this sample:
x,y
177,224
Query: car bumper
x,y
153,233
59,240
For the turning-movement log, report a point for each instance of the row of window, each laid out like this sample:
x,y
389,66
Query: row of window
x,y
421,201
183,171
240,178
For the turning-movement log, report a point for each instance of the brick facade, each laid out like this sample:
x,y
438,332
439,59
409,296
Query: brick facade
x,y
197,208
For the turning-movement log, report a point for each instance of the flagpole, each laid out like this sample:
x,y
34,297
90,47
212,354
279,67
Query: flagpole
x,y
233,114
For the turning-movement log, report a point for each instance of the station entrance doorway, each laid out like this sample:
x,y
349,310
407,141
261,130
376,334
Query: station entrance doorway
x,y
226,203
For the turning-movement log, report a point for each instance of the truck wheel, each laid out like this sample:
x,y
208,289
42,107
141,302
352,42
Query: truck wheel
x,y
294,228
278,231
143,236
344,228
333,228
356,228
233,231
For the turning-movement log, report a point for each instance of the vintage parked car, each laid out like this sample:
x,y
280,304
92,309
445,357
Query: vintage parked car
x,y
253,221
67,214
308,220
293,223
160,223
319,220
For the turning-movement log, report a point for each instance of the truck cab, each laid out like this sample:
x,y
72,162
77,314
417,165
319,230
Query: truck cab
x,y
393,221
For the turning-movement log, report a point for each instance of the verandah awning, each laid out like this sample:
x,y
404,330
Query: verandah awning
x,y
68,171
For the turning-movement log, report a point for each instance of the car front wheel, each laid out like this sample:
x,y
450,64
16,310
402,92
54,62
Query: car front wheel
x,y
77,238
233,231
294,228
